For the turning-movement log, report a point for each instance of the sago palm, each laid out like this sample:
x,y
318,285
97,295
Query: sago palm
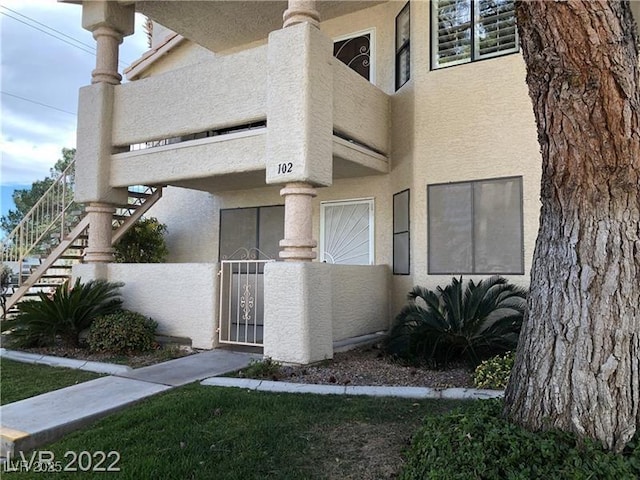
x,y
456,323
63,315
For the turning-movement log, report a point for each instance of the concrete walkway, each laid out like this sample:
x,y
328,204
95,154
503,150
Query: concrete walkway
x,y
36,421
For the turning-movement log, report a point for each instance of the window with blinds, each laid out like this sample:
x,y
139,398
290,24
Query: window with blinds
x,y
476,227
468,30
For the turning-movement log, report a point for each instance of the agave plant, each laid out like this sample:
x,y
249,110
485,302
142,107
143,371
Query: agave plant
x,y
62,315
457,323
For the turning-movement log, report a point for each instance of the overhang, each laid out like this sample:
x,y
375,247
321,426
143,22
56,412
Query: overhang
x,y
224,24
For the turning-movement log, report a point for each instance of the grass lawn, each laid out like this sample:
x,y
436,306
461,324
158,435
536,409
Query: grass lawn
x,y
198,432
23,380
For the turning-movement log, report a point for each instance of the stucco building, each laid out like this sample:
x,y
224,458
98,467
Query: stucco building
x,y
367,146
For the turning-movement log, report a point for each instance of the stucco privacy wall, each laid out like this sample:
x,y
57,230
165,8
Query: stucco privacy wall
x,y
297,312
181,297
359,300
360,110
188,96
194,160
308,306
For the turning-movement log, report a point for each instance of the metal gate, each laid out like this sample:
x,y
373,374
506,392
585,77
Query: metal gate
x,y
241,319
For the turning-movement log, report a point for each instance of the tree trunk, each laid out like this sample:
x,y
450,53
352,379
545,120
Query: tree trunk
x,y
578,362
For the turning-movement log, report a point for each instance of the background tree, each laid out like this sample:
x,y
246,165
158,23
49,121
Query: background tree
x,y
143,243
578,363
26,198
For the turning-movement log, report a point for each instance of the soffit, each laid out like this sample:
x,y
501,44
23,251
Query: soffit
x,y
223,24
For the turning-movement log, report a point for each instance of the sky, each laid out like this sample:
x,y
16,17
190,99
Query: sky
x,y
41,74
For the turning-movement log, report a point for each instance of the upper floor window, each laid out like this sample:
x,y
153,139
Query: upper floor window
x,y
464,31
356,52
403,55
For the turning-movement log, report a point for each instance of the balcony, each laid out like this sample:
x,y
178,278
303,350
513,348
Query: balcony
x,y
206,126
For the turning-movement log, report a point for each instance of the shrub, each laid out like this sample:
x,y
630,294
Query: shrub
x,y
143,243
474,442
63,315
122,332
267,368
5,275
494,372
455,323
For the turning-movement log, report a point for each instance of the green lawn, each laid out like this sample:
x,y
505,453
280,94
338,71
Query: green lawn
x,y
198,432
23,380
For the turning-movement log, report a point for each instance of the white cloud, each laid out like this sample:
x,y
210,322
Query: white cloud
x,y
46,70
23,162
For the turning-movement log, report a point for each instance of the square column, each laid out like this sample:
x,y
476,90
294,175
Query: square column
x,y
298,312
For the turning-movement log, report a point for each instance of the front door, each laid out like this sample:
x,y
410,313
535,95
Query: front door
x,y
346,232
249,238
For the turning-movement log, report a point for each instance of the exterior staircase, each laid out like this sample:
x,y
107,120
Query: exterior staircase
x,y
55,232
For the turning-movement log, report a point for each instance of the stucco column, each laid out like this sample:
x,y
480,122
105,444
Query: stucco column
x,y
100,231
300,11
108,40
298,242
109,22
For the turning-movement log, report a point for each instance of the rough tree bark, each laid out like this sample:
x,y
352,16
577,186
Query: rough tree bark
x,y
578,362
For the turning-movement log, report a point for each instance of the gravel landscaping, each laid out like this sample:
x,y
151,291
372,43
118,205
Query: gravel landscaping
x,y
370,366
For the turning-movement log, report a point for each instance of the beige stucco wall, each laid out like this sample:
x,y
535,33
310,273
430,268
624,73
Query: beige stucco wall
x,y
308,306
466,122
192,221
185,54
472,121
197,159
183,101
359,300
181,297
297,312
380,19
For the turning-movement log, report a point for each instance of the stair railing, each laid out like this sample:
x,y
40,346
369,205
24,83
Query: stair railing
x,y
46,224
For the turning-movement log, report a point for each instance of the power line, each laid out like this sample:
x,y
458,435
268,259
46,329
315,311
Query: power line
x,y
92,47
49,33
81,45
36,102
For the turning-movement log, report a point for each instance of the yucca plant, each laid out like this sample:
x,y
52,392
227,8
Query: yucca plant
x,y
457,323
63,315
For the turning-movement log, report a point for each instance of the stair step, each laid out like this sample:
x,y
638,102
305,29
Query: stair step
x,y
133,194
70,257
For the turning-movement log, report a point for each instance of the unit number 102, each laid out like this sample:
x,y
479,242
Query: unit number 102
x,y
285,168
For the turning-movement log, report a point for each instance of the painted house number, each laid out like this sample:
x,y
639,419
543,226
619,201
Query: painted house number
x,y
285,168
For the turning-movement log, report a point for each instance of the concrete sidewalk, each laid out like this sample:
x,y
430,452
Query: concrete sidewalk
x,y
35,421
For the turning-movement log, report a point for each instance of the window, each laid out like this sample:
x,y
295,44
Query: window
x,y
401,240
476,227
464,31
251,232
403,55
357,52
346,232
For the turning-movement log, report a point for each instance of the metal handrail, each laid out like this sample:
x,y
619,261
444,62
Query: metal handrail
x,y
48,216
